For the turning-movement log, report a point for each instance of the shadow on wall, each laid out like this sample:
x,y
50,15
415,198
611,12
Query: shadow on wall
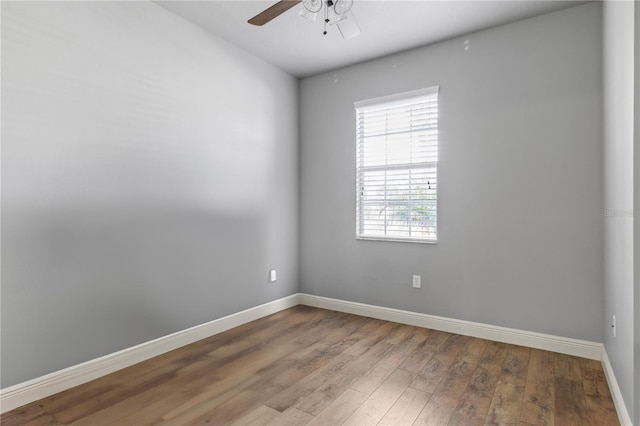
x,y
106,279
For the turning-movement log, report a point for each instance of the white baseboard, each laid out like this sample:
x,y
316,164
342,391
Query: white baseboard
x,y
616,394
42,387
564,345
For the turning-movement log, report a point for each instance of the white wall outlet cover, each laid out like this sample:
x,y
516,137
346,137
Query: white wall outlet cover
x,y
273,276
613,325
416,281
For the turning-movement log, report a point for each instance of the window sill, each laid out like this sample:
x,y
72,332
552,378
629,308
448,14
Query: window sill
x,y
397,240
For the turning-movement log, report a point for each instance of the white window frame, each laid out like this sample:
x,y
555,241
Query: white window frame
x,y
417,164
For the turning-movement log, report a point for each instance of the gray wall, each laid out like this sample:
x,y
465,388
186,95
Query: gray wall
x,y
520,180
618,75
149,180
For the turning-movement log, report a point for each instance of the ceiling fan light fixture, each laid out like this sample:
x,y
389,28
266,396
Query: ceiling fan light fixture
x,y
335,12
342,6
311,16
313,6
333,17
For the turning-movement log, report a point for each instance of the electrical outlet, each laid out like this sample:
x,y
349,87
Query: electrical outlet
x,y
272,276
613,325
416,281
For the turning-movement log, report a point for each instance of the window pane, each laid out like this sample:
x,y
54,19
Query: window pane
x,y
397,154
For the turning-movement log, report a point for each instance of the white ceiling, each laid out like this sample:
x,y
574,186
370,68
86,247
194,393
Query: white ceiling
x,y
298,46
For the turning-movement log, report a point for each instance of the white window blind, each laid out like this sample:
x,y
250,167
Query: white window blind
x,y
397,167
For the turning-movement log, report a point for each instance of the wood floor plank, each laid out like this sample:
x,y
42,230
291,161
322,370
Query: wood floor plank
x,y
600,407
198,381
125,408
445,399
331,373
570,406
340,409
476,399
198,406
472,351
290,417
308,365
594,380
378,334
99,394
506,404
321,397
71,412
231,410
400,334
236,371
32,414
277,376
270,379
567,367
381,400
406,409
539,393
430,376
234,341
41,421
474,403
494,356
425,351
302,363
589,364
135,411
258,416
372,379
516,365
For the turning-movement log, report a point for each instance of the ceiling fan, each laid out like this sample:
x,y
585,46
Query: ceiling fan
x,y
336,12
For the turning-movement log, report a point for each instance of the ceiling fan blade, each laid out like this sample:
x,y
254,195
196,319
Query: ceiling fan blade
x,y
273,12
349,27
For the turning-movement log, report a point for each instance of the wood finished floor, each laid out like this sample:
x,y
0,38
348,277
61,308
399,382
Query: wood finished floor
x,y
319,367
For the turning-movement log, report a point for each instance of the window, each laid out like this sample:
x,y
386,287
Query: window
x,y
396,167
